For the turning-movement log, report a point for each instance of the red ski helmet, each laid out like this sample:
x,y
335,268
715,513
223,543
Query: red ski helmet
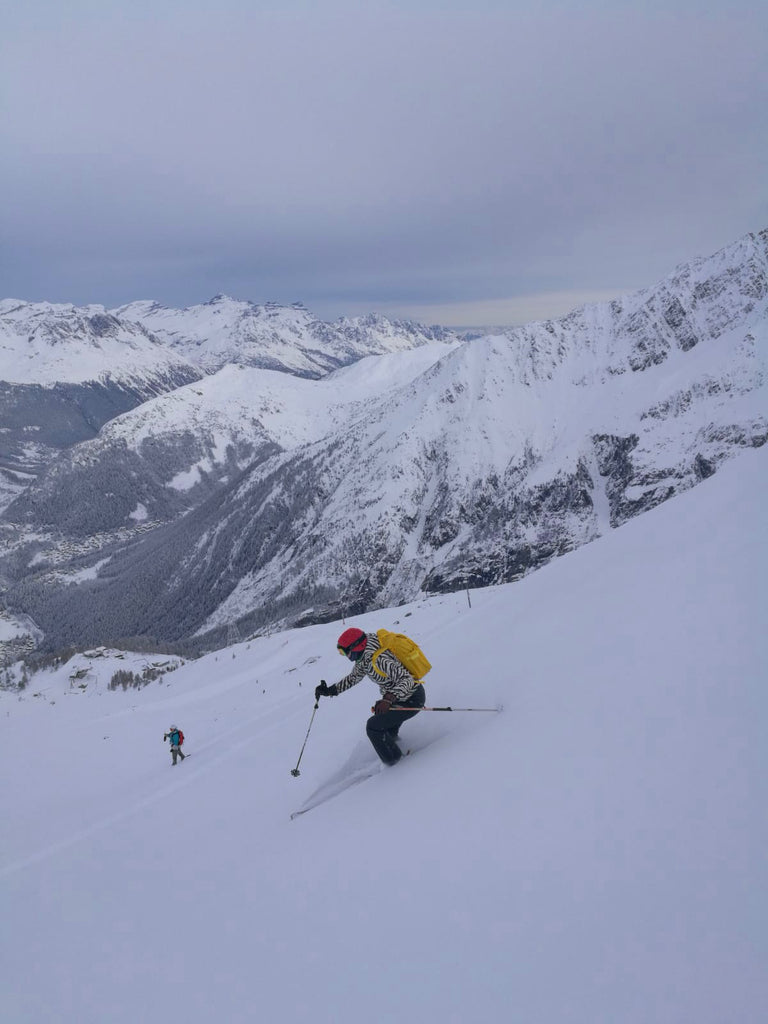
x,y
352,643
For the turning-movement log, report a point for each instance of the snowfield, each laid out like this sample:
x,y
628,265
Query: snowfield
x,y
595,853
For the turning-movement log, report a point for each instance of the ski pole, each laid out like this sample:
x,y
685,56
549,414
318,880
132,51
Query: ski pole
x,y
400,708
295,771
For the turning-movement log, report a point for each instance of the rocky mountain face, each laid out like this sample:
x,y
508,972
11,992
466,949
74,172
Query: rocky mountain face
x,y
65,372
370,485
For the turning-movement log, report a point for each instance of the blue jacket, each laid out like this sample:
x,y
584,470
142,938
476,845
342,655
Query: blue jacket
x,y
174,737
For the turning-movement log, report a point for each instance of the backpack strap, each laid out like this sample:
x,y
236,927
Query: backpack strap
x,y
374,659
380,635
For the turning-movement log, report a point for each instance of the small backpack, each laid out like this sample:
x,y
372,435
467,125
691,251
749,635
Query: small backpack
x,y
181,736
405,650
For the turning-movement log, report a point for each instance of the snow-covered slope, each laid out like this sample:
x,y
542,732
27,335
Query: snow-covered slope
x,y
47,343
65,371
504,453
238,401
172,452
593,853
288,338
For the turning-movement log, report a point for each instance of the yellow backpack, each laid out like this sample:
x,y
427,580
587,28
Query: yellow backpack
x,y
405,650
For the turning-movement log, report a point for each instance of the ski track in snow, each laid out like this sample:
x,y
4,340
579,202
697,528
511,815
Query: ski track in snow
x,y
275,718
332,789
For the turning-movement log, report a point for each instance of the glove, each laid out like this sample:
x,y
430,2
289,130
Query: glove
x,y
381,707
322,690
165,736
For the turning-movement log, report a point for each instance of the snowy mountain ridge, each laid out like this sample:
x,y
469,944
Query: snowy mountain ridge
x,y
49,343
164,457
292,410
289,338
476,464
65,371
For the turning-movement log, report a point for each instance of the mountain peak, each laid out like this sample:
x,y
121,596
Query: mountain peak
x,y
277,337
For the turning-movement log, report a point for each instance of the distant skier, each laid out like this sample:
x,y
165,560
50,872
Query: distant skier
x,y
396,683
176,736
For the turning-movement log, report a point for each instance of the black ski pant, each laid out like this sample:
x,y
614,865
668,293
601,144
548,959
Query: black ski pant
x,y
382,729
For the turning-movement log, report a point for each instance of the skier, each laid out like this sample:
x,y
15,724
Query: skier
x,y
176,736
397,687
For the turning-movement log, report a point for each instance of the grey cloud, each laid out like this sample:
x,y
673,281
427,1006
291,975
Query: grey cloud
x,y
415,152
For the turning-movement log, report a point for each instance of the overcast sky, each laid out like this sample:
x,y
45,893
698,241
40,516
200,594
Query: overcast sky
x,y
480,162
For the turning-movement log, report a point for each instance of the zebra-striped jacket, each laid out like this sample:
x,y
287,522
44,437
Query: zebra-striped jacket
x,y
399,682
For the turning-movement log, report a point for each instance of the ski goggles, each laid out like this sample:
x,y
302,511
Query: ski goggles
x,y
347,652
